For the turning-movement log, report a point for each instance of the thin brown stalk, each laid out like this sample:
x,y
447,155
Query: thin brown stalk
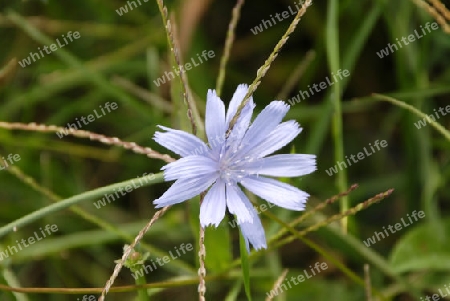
x,y
266,66
368,285
434,13
128,251
170,27
188,99
278,283
336,217
7,72
441,8
228,44
201,259
202,269
177,282
315,209
351,211
86,134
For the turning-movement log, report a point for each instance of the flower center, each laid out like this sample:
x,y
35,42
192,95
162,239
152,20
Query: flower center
x,y
233,170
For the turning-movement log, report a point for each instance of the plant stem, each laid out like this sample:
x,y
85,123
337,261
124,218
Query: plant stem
x,y
142,293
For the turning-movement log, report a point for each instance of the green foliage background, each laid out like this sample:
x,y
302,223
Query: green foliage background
x,y
132,49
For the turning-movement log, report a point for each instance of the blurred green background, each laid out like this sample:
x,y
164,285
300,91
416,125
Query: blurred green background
x,y
118,58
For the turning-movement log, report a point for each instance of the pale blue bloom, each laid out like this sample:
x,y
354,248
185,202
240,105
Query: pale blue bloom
x,y
240,158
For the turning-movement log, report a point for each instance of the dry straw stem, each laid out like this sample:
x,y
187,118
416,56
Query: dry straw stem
x,y
86,134
377,198
187,97
170,28
228,43
278,283
17,172
315,209
7,72
128,251
441,8
333,260
368,285
175,283
202,269
435,14
201,259
110,141
264,68
351,211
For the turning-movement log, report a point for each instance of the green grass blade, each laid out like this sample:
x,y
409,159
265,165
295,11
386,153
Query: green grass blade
x,y
89,195
245,265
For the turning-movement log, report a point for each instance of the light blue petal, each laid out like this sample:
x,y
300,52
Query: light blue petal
x,y
243,122
276,192
236,100
235,204
283,134
285,165
215,120
253,232
240,128
185,189
189,167
181,143
213,207
264,124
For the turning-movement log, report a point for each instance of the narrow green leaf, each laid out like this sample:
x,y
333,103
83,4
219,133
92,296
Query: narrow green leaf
x,y
245,264
88,195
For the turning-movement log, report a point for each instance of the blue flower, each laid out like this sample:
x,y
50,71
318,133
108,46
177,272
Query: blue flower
x,y
238,158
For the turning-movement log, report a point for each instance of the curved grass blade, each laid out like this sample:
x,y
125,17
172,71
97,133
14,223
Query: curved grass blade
x,y
31,217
